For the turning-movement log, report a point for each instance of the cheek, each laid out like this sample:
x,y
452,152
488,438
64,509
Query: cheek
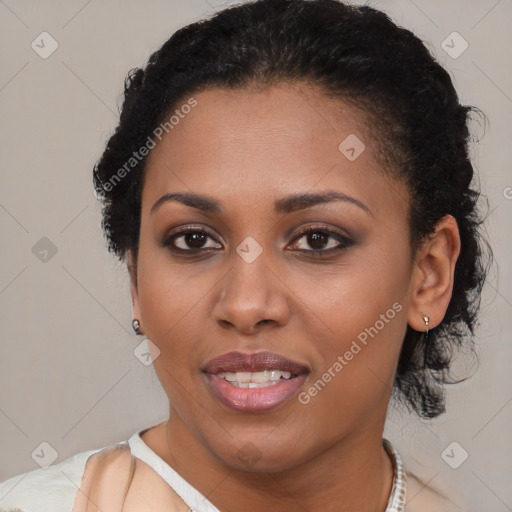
x,y
171,309
164,290
175,306
350,386
164,302
354,295
364,307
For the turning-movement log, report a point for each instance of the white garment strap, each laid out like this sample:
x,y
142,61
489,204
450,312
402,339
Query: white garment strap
x,y
189,494
198,503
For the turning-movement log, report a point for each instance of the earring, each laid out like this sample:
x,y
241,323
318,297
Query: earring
x,y
426,320
136,326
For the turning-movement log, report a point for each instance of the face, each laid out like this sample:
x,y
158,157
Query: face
x,y
288,265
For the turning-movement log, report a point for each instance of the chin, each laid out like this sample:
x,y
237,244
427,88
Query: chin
x,y
262,456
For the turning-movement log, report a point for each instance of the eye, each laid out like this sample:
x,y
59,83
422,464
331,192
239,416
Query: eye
x,y
323,241
190,240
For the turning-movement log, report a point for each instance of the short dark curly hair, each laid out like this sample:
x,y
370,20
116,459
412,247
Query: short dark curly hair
x,y
357,54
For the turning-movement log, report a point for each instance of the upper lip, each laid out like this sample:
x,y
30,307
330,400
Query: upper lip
x,y
256,362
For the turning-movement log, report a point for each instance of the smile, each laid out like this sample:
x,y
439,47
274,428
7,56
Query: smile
x,y
251,383
255,379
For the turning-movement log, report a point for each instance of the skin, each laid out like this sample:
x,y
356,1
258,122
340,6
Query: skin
x,y
247,149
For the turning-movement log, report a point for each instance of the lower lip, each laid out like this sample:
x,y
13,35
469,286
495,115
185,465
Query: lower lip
x,y
254,399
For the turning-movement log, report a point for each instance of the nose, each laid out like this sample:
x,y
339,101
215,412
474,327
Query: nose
x,y
252,296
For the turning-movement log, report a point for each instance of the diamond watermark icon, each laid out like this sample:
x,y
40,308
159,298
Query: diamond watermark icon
x,y
351,147
454,45
146,352
45,454
44,45
454,455
44,250
249,249
249,454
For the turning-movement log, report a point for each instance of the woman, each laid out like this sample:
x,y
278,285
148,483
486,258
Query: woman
x,y
290,187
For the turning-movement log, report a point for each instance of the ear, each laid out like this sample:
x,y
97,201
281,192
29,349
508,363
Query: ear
x,y
132,271
433,275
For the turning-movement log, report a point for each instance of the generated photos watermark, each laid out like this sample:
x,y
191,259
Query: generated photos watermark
x,y
143,151
355,348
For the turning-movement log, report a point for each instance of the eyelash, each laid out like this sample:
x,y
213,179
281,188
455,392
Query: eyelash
x,y
344,242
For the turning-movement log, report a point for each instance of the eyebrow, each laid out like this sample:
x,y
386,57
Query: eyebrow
x,y
288,204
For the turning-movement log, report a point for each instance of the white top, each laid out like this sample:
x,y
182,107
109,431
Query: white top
x,y
54,489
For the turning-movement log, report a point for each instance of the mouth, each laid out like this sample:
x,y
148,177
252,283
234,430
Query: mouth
x,y
254,382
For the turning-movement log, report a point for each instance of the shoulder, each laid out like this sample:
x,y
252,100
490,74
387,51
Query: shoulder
x,y
422,498
106,479
51,489
115,479
41,489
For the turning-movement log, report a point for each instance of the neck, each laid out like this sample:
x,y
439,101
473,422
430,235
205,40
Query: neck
x,y
354,474
343,478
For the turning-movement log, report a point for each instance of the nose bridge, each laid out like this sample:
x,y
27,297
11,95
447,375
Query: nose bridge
x,y
250,271
251,291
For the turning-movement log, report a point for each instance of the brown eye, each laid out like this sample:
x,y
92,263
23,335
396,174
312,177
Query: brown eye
x,y
195,240
321,241
190,240
317,240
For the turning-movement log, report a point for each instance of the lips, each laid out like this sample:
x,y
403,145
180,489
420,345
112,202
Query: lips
x,y
222,373
257,362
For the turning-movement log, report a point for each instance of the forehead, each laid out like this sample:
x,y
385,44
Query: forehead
x,y
285,138
264,121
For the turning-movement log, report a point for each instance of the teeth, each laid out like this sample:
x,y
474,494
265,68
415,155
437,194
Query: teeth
x,y
252,385
254,379
261,376
243,376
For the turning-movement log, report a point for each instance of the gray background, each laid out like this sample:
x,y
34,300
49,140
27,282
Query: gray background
x,y
69,375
